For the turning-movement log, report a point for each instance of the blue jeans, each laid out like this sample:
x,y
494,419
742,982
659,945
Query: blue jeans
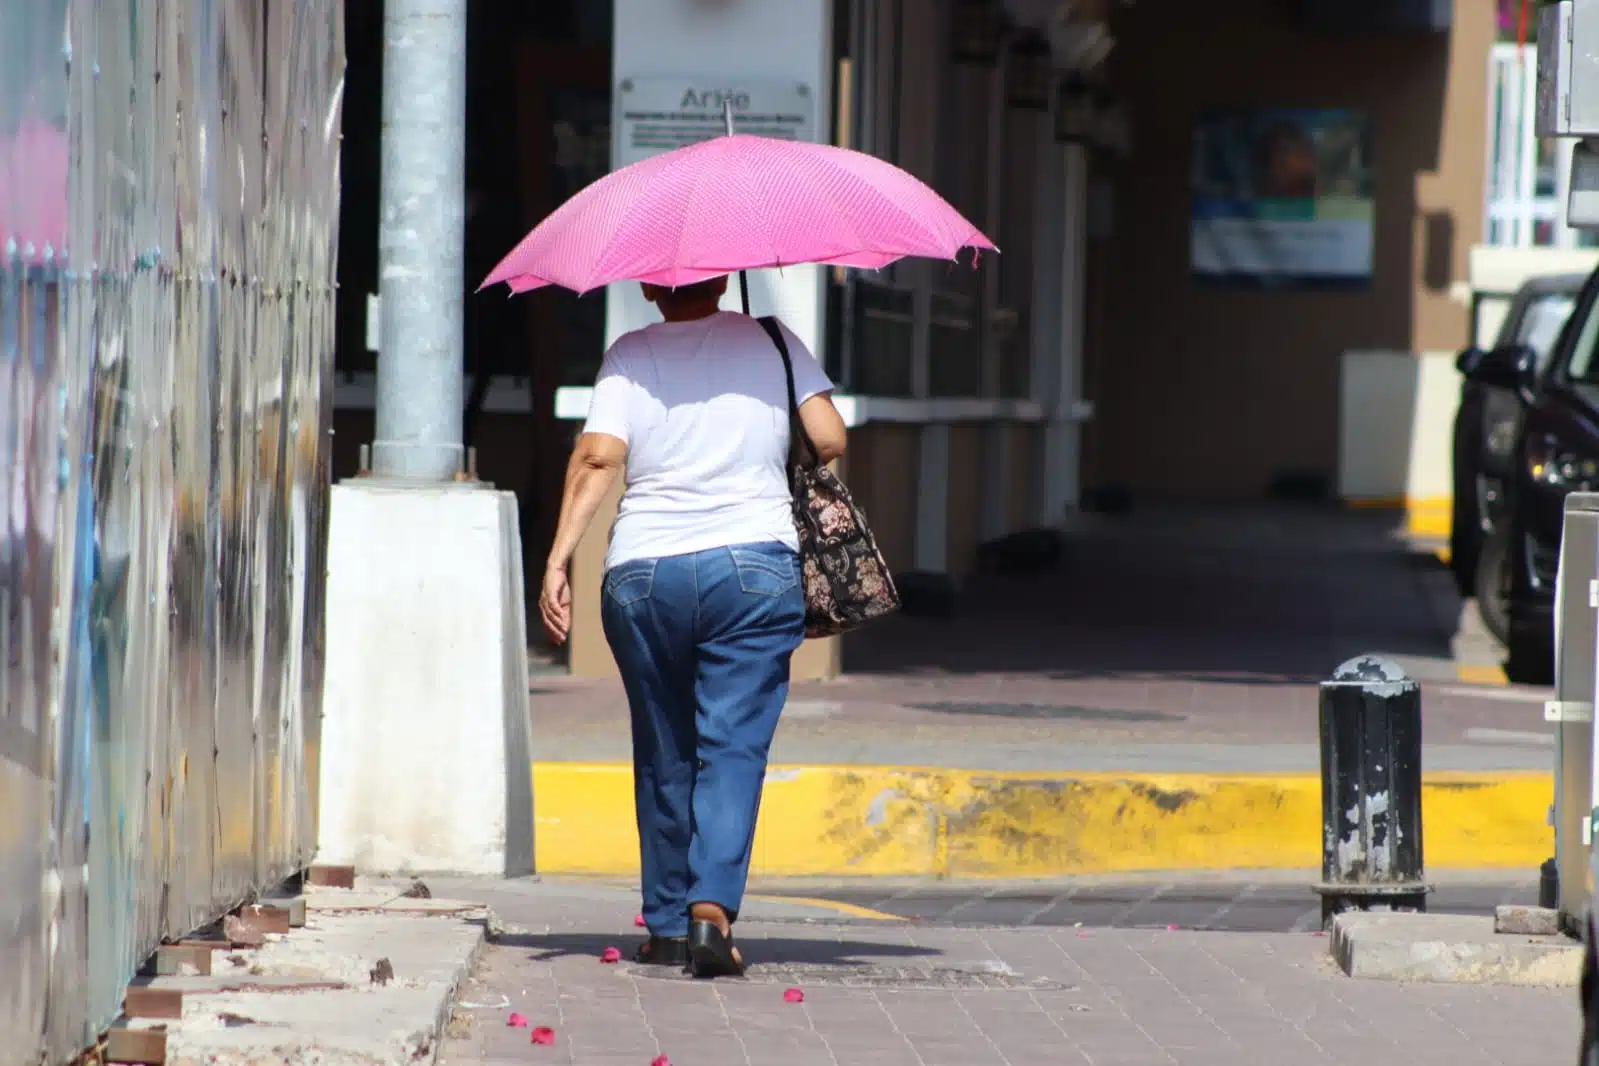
x,y
703,642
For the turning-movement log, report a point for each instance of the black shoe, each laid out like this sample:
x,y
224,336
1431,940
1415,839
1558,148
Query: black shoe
x,y
663,951
710,952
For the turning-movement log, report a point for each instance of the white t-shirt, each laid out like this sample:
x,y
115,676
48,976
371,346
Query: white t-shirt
x,y
703,409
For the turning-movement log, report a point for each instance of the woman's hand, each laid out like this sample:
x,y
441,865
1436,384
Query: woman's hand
x,y
555,605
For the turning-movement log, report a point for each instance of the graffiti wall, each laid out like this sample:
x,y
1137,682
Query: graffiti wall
x,y
168,224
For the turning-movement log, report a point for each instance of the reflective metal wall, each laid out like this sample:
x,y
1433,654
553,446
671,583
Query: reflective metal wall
x,y
168,218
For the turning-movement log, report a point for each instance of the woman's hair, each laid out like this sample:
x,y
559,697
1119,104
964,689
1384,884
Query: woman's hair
x,y
685,294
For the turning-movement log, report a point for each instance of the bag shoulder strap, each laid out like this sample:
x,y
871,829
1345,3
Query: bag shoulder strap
x,y
773,330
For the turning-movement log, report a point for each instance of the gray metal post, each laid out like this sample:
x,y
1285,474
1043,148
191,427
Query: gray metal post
x,y
421,235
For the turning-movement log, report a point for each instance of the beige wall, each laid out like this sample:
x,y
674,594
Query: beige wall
x,y
1205,393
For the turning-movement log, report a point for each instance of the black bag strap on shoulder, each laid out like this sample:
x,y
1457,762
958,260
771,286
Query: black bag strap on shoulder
x,y
773,330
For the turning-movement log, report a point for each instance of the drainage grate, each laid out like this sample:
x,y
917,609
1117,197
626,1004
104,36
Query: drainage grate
x,y
1046,711
972,979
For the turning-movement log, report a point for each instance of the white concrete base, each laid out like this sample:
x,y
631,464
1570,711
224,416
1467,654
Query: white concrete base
x,y
426,751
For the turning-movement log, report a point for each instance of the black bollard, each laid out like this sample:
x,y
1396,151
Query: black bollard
x,y
1371,852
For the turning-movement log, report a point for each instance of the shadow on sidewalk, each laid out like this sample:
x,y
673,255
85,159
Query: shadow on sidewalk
x,y
759,949
1253,595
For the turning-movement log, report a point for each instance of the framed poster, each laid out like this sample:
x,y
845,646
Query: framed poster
x,y
1282,198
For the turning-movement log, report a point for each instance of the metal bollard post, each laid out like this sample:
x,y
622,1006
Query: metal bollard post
x,y
1370,789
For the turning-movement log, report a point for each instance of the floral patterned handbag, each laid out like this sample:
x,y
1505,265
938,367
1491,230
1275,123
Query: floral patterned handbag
x,y
847,583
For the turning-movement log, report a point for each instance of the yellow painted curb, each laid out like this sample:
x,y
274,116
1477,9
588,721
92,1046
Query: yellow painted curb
x,y
1481,674
1425,516
890,821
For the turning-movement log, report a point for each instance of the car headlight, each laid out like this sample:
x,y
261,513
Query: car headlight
x,y
1501,420
1554,466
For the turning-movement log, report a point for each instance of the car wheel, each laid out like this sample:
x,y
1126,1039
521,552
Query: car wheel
x,y
1493,586
1530,661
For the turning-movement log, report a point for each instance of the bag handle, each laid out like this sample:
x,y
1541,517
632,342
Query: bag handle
x,y
796,424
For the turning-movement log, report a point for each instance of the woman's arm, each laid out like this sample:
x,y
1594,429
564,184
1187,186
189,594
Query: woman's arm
x,y
825,426
590,473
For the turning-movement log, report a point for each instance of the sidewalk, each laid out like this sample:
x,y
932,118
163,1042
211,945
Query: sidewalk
x,y
887,994
1151,705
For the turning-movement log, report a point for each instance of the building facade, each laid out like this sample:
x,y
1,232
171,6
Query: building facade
x,y
1202,211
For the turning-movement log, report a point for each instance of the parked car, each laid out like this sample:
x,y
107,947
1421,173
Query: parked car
x,y
1486,424
1555,451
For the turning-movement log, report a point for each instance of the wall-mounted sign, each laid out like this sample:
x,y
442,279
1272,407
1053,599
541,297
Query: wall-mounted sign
x,y
655,115
1282,198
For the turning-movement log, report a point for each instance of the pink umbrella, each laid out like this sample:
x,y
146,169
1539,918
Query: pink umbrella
x,y
736,203
33,191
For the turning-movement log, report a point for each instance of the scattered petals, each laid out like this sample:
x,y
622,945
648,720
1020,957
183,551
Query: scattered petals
x,y
793,995
517,1021
638,921
544,1035
611,955
1084,935
1173,927
660,1060
1319,932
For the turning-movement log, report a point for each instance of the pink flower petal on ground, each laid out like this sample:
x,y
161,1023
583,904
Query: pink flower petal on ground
x,y
638,921
544,1035
517,1021
660,1060
611,955
793,995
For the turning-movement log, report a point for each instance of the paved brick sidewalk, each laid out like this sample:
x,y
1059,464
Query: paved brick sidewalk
x,y
890,994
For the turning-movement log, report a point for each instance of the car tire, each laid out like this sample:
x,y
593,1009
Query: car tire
x,y
1493,586
1529,661
1465,545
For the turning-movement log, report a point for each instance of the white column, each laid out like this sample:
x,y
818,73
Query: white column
x,y
995,520
1045,321
1063,435
922,62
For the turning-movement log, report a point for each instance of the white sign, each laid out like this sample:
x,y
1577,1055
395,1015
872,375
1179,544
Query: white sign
x,y
656,115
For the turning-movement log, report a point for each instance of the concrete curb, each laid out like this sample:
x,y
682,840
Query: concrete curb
x,y
249,1012
925,822
1450,949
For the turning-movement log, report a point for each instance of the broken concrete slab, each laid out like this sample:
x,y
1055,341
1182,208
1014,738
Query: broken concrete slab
x,y
311,996
1527,921
1449,948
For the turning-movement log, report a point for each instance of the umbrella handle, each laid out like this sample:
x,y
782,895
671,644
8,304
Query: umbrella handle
x,y
744,290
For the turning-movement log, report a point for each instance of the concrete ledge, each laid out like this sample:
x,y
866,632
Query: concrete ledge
x,y
1450,948
425,728
311,996
921,822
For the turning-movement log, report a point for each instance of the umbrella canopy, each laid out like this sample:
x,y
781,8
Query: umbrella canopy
x,y
736,203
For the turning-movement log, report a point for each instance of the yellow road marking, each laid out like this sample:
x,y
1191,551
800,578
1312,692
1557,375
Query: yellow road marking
x,y
849,909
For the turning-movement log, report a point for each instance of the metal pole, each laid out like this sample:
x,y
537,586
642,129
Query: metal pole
x,y
420,379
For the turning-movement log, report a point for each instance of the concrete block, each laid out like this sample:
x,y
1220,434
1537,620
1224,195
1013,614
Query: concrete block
x,y
325,876
1449,948
1527,921
174,960
310,996
425,757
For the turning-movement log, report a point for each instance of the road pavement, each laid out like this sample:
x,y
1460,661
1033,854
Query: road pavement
x,y
1276,901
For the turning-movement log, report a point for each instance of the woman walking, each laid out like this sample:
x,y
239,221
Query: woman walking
x,y
702,602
